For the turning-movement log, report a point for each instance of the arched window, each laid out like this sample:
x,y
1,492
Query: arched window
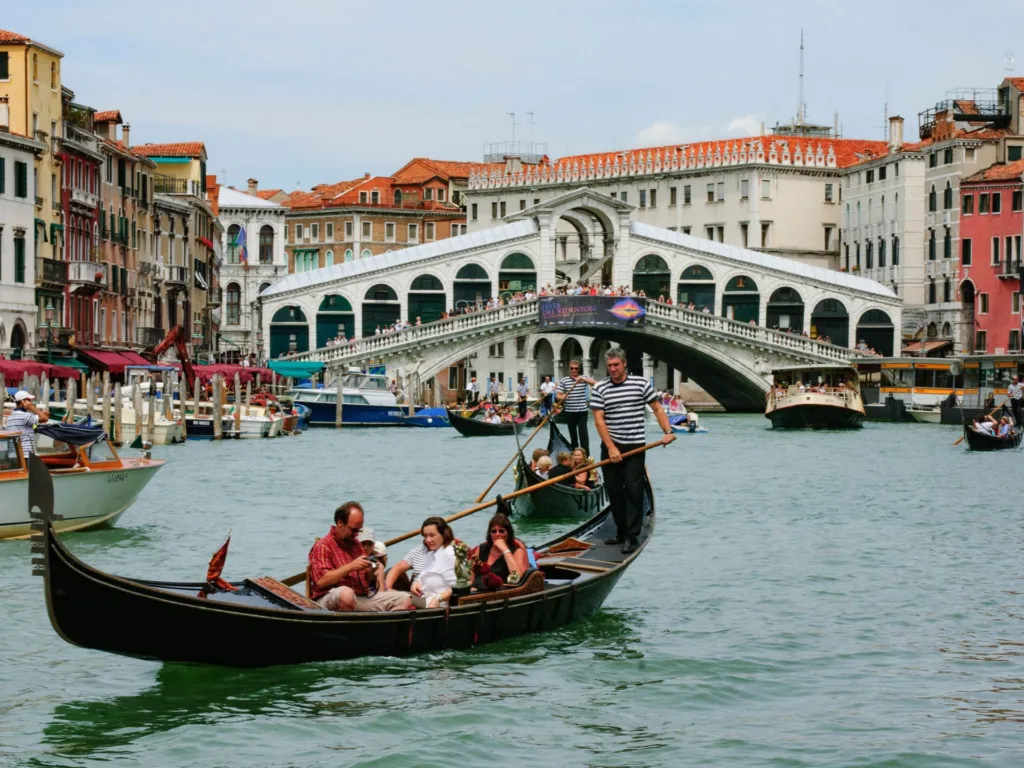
x,y
426,283
947,196
381,292
932,199
266,244
348,254
472,272
869,211
895,251
263,287
366,253
882,219
858,213
517,261
234,295
329,259
398,197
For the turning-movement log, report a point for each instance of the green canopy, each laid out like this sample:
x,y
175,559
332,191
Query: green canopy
x,y
70,362
295,370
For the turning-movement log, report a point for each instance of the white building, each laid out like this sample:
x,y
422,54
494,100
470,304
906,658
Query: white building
x,y
18,319
262,223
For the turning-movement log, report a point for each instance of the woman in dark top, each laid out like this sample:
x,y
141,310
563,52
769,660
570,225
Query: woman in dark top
x,y
501,553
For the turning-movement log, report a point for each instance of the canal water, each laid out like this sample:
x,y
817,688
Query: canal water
x,y
810,599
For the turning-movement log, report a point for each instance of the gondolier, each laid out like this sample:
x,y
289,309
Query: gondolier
x,y
1016,394
522,391
619,415
24,418
572,395
473,393
547,390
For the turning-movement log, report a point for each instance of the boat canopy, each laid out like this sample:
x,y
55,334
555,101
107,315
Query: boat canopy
x,y
72,434
296,369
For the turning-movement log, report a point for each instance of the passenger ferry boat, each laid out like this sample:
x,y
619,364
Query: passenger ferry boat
x,y
816,397
367,402
912,388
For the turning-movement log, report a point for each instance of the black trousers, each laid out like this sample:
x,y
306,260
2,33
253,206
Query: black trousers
x,y
576,421
1016,408
522,408
624,481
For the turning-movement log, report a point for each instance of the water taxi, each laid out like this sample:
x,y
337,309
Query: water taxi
x,y
816,397
367,402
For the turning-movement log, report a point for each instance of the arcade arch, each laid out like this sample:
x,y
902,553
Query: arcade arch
x,y
785,310
875,329
831,320
426,299
334,317
289,331
696,285
472,284
741,301
380,308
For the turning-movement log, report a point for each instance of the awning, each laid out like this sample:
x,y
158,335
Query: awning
x,y
111,361
925,348
14,371
41,223
295,370
70,362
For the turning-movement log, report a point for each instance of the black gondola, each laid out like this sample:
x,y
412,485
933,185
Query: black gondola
x,y
472,427
264,623
554,500
977,441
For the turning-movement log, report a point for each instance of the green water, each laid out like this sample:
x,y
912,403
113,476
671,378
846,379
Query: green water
x,y
810,599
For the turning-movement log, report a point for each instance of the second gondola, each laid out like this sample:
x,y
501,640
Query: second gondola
x,y
558,500
474,427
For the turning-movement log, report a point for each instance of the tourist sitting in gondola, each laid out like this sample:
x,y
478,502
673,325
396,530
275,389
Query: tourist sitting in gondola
x,y
1004,428
985,426
537,453
542,468
564,467
502,558
581,480
342,577
432,587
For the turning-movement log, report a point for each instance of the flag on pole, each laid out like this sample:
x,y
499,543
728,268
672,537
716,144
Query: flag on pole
x,y
243,254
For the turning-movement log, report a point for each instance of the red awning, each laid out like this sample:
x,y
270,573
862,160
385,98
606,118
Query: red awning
x,y
14,371
110,360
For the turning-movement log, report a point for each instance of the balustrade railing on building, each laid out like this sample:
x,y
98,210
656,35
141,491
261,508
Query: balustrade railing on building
x,y
51,271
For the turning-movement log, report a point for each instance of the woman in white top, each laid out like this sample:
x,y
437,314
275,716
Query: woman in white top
x,y
436,574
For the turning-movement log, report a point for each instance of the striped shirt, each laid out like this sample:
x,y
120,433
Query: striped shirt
x,y
623,406
1015,390
416,558
576,402
23,421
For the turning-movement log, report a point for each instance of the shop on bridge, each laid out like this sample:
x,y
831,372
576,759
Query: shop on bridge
x,y
696,285
381,308
335,317
426,299
741,301
289,332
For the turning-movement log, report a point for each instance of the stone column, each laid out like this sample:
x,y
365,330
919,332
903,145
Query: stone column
x,y
648,366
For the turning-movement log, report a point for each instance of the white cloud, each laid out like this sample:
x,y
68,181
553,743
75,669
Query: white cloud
x,y
662,132
748,125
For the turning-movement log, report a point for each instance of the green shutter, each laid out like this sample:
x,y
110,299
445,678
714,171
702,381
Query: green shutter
x,y
19,259
20,179
3,172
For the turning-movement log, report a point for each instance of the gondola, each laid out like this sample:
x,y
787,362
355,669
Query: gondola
x,y
471,427
265,623
976,441
554,501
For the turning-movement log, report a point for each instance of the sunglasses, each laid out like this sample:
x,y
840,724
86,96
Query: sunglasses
x,y
574,369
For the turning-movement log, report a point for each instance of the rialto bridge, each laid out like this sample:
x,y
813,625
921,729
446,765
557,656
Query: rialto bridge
x,y
757,304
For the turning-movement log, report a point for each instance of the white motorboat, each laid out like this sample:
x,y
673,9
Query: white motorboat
x,y
926,415
92,485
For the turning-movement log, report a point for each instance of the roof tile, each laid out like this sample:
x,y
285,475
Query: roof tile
x,y
110,116
12,37
999,172
180,149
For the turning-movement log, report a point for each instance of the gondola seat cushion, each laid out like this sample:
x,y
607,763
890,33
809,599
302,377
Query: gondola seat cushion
x,y
531,582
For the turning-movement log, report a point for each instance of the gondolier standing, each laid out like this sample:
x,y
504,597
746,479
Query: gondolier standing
x,y
1016,394
618,405
522,391
572,396
472,393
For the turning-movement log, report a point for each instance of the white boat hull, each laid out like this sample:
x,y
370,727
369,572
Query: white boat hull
x,y
164,432
89,499
926,416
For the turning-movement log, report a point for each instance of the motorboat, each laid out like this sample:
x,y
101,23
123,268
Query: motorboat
x,y
367,401
815,397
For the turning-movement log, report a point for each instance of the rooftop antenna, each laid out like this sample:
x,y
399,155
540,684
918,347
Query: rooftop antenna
x,y
885,112
1008,61
513,116
801,107
531,122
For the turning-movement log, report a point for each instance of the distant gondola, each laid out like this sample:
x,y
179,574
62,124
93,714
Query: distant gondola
x,y
265,623
977,441
556,500
472,427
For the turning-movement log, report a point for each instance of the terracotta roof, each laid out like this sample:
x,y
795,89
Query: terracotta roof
x,y
12,37
110,116
446,169
1016,82
180,149
131,151
266,194
980,134
999,172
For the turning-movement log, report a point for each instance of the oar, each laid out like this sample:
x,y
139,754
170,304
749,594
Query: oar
x,y
989,414
298,578
519,449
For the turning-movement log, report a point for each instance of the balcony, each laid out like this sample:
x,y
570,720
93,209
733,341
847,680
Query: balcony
x,y
87,276
167,186
39,202
1008,270
149,337
83,200
51,271
176,275
215,297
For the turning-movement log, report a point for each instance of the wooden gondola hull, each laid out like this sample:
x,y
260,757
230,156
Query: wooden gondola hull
x,y
555,501
979,442
468,427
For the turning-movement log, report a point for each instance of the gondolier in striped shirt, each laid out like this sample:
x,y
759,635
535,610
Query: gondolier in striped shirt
x,y
572,395
1016,394
618,405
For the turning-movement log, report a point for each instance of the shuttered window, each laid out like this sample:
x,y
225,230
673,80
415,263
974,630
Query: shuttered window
x,y
3,176
4,70
19,259
20,179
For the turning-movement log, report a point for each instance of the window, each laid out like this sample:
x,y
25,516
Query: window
x,y
947,197
932,295
474,212
709,232
536,201
624,196
881,252
829,194
765,232
501,208
364,197
672,196
744,227
414,233
19,259
1015,303
997,202
982,303
314,232
828,238
374,197
933,160
266,244
367,230
711,193
947,290
869,253
389,231
330,231
968,205
947,156
721,191
440,194
522,205
329,258
980,340
20,179
1015,198
995,251
969,155
895,251
983,203
1014,341
686,230
766,189
643,198
234,296
932,199
744,189
348,230
1013,154
686,194
298,231
428,193
5,70
654,198
965,253
931,245
35,67
869,176
494,210
3,176
881,173
428,230
947,244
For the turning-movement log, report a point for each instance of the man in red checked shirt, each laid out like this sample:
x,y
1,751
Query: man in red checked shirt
x,y
341,577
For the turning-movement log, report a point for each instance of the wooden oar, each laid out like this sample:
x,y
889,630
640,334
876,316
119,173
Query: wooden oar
x,y
298,578
962,437
521,448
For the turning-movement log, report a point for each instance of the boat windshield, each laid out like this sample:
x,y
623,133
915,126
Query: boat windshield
x,y
365,381
100,451
9,454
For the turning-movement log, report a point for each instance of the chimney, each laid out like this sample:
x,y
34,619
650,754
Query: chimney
x,y
5,115
366,175
513,164
253,186
125,134
895,133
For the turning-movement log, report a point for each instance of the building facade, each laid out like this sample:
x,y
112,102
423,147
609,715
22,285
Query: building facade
x,y
254,259
991,224
18,315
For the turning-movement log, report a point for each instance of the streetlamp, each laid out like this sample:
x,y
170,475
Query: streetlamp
x,y
48,325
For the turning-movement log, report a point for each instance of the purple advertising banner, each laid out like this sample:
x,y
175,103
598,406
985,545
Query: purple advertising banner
x,y
588,311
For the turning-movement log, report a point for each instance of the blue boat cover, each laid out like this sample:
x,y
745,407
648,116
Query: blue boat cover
x,y
295,369
72,434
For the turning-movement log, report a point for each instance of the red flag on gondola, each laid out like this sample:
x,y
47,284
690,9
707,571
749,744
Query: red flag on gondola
x,y
213,571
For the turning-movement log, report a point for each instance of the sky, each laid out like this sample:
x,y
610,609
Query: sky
x,y
305,92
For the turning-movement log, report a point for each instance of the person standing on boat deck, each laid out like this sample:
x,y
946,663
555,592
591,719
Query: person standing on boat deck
x,y
342,577
620,417
494,389
522,391
473,393
575,403
1016,394
547,389
24,417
